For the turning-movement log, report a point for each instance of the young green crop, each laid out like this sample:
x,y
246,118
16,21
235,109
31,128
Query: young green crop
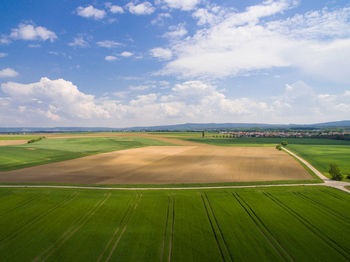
x,y
265,224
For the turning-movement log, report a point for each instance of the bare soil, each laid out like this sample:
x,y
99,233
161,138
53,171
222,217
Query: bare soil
x,y
189,163
12,142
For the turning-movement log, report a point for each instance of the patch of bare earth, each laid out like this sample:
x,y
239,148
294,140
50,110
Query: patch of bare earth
x,y
191,163
12,142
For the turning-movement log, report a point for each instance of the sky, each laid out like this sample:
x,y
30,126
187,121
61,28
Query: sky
x,y
142,63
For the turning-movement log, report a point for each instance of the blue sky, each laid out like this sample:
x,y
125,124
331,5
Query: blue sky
x,y
127,63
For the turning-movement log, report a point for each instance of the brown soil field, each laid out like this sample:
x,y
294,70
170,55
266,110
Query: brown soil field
x,y
12,142
190,163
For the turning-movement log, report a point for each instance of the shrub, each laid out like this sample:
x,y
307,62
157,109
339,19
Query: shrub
x,y
284,143
335,173
35,139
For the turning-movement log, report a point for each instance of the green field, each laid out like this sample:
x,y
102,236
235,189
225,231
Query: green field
x,y
321,156
265,224
16,137
186,134
59,149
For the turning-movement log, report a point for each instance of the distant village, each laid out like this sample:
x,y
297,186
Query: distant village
x,y
313,133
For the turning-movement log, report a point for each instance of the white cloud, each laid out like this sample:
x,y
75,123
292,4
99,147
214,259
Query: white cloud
x,y
141,87
115,9
144,8
91,12
185,5
209,15
161,53
240,42
53,99
79,42
31,32
108,44
8,72
126,54
3,55
176,32
50,101
110,58
160,19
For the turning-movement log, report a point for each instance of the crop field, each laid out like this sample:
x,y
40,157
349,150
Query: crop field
x,y
321,156
185,164
59,149
265,224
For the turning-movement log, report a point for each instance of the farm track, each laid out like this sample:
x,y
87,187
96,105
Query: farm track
x,y
332,243
218,226
124,224
224,252
27,225
168,230
322,207
265,231
172,230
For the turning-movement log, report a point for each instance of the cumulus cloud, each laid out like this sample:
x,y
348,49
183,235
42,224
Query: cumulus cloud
x,y
160,19
51,101
176,31
8,72
145,8
237,43
91,12
161,53
110,58
108,44
126,54
185,5
31,32
79,42
115,9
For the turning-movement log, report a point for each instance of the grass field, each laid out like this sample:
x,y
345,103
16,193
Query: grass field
x,y
184,134
59,149
16,137
266,224
321,156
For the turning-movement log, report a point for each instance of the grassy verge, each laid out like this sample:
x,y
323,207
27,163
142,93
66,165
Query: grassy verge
x,y
279,182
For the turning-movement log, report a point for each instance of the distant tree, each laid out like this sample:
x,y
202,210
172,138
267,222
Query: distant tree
x,y
278,147
284,143
335,173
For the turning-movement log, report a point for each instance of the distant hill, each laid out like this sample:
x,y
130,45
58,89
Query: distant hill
x,y
178,127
